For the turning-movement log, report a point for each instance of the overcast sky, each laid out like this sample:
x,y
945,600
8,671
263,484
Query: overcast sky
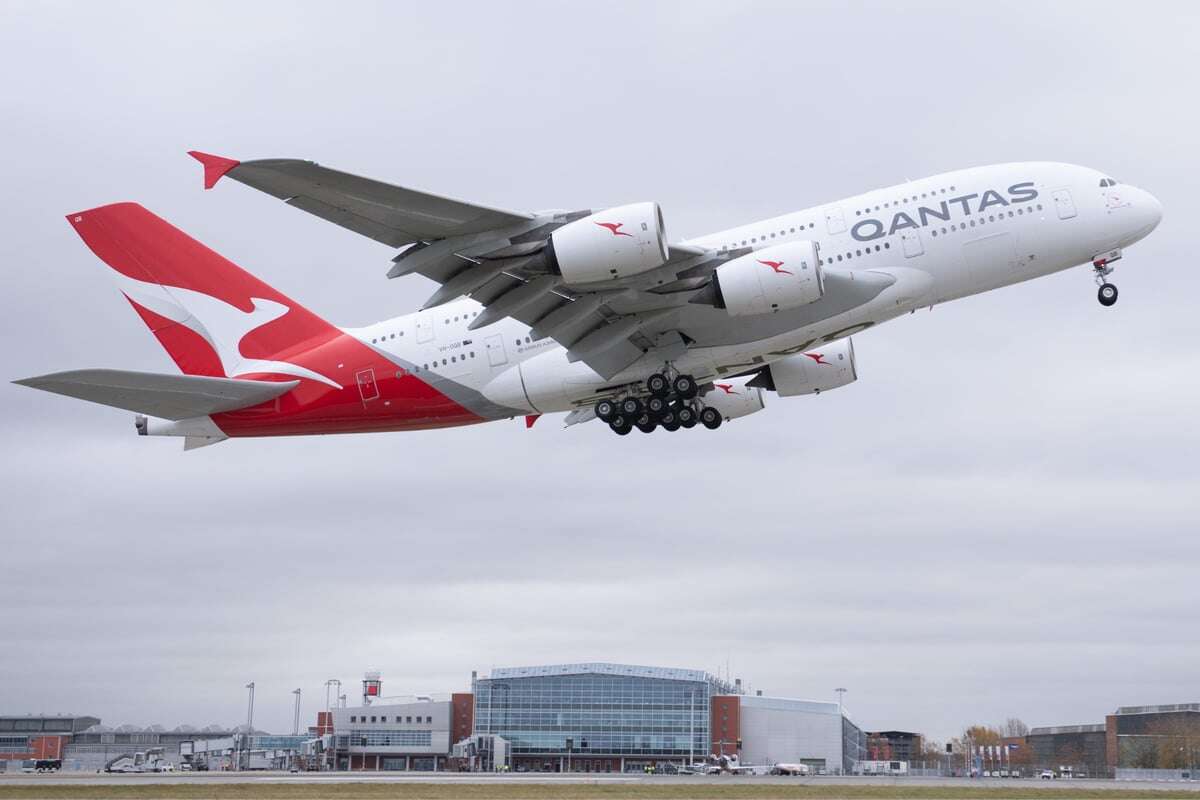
x,y
998,519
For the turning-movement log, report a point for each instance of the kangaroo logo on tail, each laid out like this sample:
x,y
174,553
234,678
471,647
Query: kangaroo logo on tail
x,y
222,325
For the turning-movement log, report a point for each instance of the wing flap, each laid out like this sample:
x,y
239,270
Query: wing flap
x,y
172,397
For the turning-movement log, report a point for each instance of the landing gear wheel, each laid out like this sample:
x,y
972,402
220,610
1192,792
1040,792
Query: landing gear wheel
x,y
1107,294
685,386
646,423
631,407
656,406
621,425
658,385
669,423
605,410
711,418
686,416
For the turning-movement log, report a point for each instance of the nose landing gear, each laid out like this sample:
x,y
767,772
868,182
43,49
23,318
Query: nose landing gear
x,y
1101,269
1107,294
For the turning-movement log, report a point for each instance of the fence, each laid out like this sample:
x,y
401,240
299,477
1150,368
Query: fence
x,y
1131,774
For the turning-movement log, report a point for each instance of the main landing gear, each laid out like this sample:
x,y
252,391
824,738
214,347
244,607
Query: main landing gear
x,y
669,401
1101,269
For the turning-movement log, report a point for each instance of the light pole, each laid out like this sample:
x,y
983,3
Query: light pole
x,y
329,684
249,724
296,721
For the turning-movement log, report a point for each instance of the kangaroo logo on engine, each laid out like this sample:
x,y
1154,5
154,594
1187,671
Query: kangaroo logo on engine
x,y
872,228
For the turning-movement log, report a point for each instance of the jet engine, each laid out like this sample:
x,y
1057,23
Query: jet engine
x,y
813,371
734,397
766,281
609,245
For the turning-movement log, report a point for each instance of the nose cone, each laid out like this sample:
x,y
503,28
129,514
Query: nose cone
x,y
1141,213
1153,209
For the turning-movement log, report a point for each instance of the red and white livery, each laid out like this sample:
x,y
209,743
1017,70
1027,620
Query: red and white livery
x,y
599,314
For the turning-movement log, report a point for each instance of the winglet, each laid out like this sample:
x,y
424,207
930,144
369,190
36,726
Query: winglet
x,y
214,166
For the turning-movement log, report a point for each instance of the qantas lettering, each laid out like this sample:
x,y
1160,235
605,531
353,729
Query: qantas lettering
x,y
869,229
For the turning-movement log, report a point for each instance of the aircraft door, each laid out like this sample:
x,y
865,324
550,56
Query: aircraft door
x,y
1063,204
913,246
834,222
495,350
424,328
367,388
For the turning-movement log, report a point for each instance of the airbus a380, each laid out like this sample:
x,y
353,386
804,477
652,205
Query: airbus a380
x,y
599,314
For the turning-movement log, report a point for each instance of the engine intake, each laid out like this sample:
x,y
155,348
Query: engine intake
x,y
609,245
770,280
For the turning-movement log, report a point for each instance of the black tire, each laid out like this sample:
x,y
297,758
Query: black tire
x,y
686,416
691,423
621,425
658,385
631,407
684,386
670,425
1107,294
711,418
657,406
646,423
605,410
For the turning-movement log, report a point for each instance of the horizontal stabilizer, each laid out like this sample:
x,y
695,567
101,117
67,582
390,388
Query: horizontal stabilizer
x,y
167,396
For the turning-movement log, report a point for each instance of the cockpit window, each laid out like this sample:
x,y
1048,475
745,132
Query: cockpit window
x,y
1107,182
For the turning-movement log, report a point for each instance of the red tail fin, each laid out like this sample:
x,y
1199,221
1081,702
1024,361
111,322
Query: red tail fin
x,y
211,316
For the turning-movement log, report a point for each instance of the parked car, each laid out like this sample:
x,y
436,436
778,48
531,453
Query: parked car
x,y
1047,775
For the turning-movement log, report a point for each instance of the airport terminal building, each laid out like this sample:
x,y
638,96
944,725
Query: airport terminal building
x,y
584,717
589,717
596,717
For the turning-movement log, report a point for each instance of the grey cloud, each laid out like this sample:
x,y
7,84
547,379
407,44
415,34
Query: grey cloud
x,y
999,518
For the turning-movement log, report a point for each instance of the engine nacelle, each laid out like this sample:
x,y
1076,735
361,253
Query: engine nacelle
x,y
773,279
818,370
734,397
609,245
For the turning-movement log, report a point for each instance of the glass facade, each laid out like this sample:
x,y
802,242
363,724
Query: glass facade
x,y
385,739
604,709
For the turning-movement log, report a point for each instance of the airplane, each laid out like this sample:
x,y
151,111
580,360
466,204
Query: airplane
x,y
598,314
790,769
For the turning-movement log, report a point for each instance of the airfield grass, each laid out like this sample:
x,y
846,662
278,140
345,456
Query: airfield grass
x,y
517,791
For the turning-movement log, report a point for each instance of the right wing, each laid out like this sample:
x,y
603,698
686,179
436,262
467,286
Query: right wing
x,y
173,397
492,256
390,214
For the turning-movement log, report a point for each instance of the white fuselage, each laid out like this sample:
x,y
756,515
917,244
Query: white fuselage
x,y
938,238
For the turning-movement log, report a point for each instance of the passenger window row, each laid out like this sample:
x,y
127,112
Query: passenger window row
x,y
1021,210
905,200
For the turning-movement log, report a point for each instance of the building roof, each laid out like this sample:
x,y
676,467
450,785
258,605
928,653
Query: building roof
x,y
1050,731
51,723
792,704
1158,709
601,668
